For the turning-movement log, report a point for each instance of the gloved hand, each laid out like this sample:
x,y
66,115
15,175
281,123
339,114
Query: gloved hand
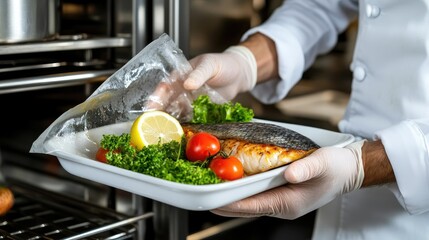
x,y
229,73
313,182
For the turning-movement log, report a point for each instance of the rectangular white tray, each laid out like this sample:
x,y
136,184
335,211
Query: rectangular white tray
x,y
76,155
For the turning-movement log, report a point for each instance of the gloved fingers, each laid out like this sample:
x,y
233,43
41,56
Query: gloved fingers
x,y
254,206
268,203
289,201
205,68
306,168
180,107
160,98
228,213
329,165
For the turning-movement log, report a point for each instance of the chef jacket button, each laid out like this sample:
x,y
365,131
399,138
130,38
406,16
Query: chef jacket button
x,y
372,11
359,73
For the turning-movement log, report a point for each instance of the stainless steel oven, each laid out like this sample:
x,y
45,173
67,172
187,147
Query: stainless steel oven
x,y
42,76
53,54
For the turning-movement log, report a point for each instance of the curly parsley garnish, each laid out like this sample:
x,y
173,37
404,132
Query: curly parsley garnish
x,y
205,111
166,161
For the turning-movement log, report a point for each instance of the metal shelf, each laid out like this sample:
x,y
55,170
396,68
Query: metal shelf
x,y
65,45
55,80
41,214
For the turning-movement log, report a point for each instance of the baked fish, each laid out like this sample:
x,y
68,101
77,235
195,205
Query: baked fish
x,y
259,146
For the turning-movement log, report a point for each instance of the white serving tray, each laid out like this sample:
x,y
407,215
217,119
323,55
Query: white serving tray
x,y
76,155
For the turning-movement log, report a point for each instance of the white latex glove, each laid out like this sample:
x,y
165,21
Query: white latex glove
x,y
313,182
229,73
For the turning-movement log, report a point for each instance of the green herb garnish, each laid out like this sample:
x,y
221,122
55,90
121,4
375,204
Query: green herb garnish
x,y
205,111
166,161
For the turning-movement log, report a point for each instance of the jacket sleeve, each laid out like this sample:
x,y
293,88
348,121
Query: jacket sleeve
x,y
407,146
301,30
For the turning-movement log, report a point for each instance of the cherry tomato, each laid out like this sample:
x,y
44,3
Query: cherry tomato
x,y
201,146
101,155
227,167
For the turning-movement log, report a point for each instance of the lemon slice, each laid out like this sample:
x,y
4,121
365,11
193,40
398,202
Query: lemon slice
x,y
153,127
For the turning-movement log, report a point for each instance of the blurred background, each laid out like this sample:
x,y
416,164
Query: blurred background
x,y
55,53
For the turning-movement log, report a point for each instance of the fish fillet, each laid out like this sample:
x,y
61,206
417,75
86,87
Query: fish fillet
x,y
259,146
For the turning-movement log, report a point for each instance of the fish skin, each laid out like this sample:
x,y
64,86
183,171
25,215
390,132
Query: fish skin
x,y
257,132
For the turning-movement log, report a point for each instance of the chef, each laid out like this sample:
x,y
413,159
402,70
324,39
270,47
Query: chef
x,y
377,187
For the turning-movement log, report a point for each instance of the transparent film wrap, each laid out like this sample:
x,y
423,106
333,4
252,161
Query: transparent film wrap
x,y
153,79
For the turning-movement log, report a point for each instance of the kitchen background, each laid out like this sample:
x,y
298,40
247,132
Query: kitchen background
x,y
67,49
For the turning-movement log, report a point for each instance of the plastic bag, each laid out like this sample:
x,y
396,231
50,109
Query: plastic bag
x,y
153,79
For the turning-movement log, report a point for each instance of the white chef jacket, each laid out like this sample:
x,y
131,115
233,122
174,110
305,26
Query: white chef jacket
x,y
389,101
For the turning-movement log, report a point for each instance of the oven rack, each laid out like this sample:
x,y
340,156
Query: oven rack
x,y
54,80
41,214
65,45
56,73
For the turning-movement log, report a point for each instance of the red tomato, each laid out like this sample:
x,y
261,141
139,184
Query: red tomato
x,y
227,167
202,146
101,154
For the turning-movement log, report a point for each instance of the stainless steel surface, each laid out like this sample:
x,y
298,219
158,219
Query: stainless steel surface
x,y
34,66
86,47
57,80
112,226
65,45
140,25
40,214
27,20
170,222
178,23
173,17
94,62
